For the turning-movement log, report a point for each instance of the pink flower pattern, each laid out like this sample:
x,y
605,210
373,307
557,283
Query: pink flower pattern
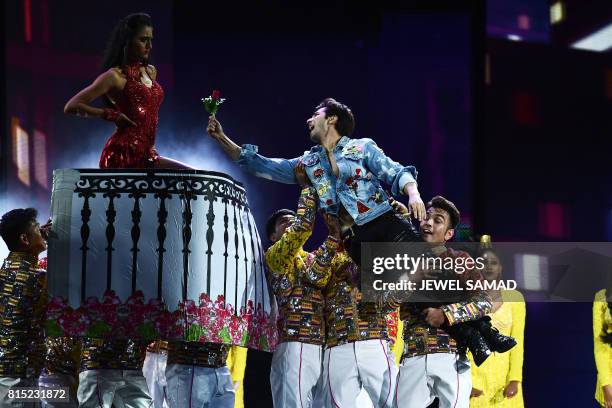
x,y
204,321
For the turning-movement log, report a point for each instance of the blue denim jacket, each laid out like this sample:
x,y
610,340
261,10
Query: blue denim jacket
x,y
362,167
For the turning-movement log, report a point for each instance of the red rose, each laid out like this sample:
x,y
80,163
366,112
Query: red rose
x,y
349,181
329,201
358,171
216,95
318,173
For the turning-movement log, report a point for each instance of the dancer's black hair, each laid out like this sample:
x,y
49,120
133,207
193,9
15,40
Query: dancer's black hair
x,y
122,36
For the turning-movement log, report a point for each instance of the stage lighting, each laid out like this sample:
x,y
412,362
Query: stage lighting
x,y
40,157
531,271
600,40
21,151
553,220
557,13
524,22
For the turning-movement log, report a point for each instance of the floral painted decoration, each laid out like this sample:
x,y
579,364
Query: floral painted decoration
x,y
203,321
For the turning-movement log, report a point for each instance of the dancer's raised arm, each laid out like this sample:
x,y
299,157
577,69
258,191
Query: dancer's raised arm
x,y
279,170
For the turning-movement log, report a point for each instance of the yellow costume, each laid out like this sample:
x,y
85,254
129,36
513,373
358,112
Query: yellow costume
x,y
602,324
236,362
500,368
297,277
398,344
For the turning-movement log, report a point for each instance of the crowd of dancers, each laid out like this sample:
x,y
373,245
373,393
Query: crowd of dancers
x,y
334,345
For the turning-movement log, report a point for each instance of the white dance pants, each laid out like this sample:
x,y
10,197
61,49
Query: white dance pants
x,y
350,368
295,375
442,375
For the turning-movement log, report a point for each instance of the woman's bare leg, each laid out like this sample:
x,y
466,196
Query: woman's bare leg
x,y
167,163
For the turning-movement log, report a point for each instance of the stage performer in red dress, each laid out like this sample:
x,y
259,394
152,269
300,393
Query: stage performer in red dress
x,y
132,95
111,369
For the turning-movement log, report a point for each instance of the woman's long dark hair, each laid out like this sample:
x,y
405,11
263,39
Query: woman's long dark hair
x,y
121,37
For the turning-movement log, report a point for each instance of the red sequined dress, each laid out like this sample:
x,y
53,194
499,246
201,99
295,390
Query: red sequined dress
x,y
134,146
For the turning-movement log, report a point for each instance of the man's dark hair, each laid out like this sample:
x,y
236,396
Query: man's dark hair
x,y
14,223
346,121
271,223
448,206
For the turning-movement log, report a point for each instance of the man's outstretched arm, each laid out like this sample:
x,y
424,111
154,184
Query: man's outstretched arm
x,y
215,130
279,170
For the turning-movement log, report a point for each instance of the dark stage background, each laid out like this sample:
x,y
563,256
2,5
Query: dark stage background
x,y
528,165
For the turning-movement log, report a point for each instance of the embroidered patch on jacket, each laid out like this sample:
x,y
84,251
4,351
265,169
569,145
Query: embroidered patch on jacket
x,y
352,184
310,160
362,208
376,197
322,189
353,151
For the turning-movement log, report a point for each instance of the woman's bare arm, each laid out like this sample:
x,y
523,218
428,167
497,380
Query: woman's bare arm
x,y
79,103
106,82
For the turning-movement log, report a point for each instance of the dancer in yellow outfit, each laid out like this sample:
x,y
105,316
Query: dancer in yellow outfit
x,y
497,382
602,337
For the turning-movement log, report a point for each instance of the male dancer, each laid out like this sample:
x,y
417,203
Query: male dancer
x,y
357,354
297,278
197,375
61,369
111,373
358,368
22,303
346,174
431,366
184,374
